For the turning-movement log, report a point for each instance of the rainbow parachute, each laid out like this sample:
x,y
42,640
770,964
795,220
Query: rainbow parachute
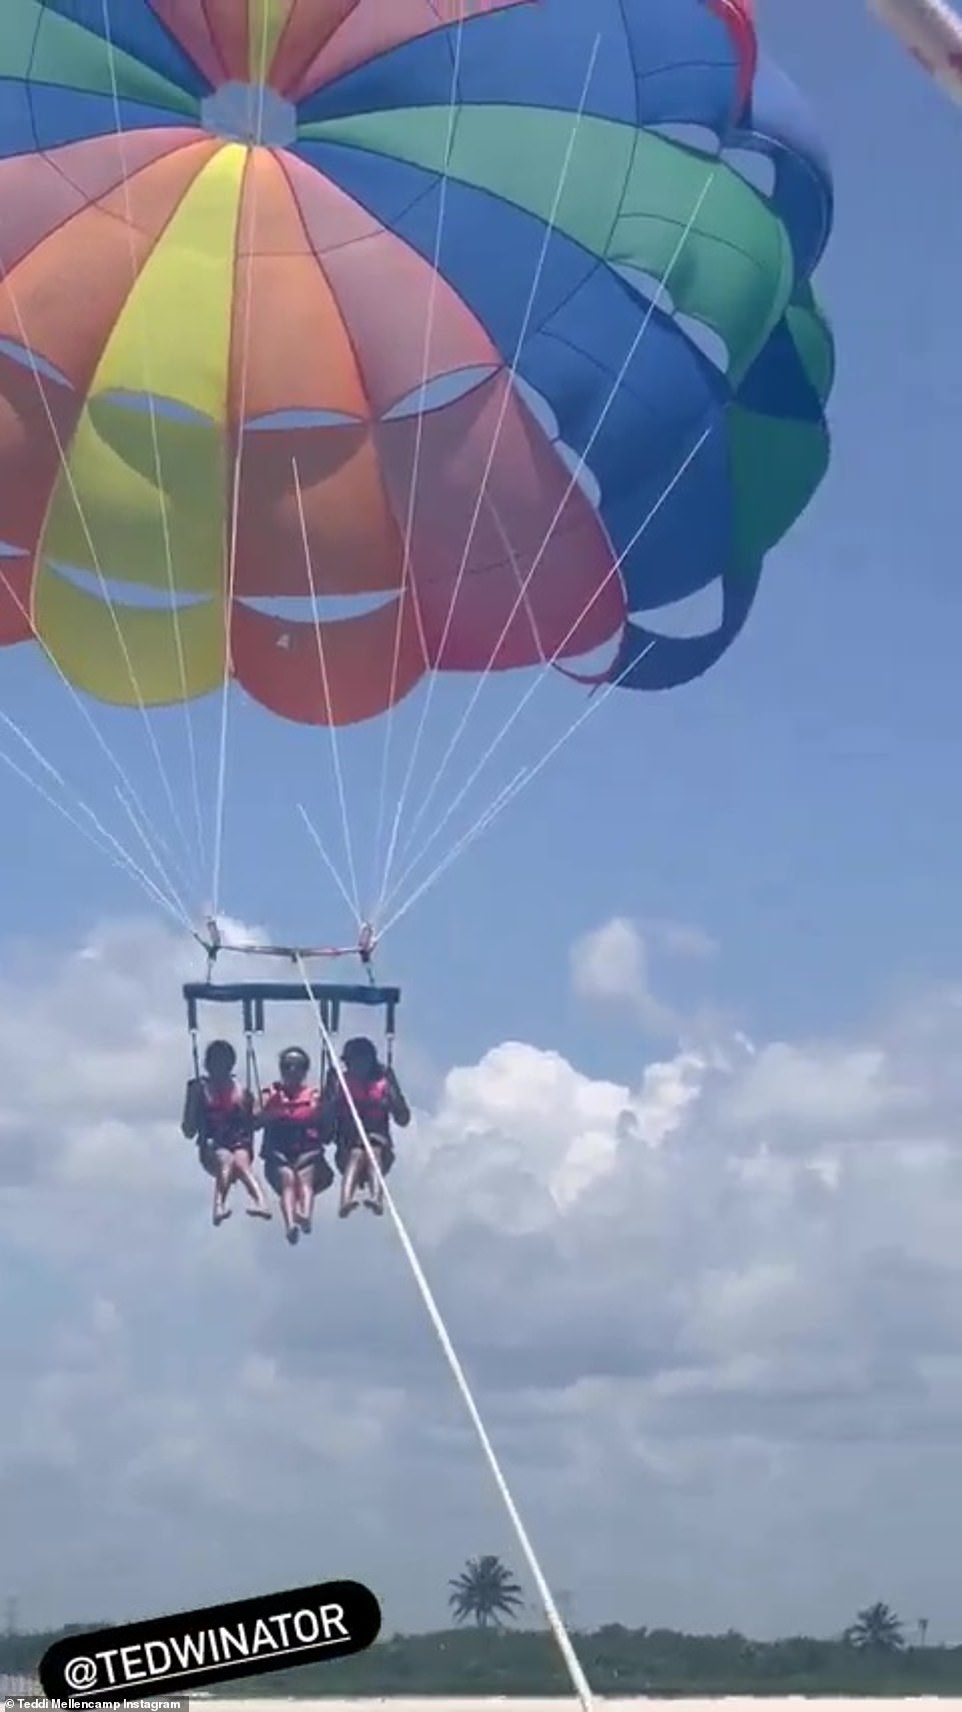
x,y
500,318
932,33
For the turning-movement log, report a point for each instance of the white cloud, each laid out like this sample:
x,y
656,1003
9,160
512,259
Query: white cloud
x,y
810,1088
614,965
711,1318
611,965
680,939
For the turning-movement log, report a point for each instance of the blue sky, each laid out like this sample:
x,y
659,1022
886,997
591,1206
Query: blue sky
x,y
798,802
798,806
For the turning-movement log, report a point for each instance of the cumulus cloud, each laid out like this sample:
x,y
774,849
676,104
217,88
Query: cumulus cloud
x,y
612,965
711,1318
680,939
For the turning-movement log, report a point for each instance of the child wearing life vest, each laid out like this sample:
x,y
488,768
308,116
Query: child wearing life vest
x,y
377,1099
293,1147
218,1115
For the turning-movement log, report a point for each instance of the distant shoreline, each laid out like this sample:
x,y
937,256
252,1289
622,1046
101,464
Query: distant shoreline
x,y
522,1671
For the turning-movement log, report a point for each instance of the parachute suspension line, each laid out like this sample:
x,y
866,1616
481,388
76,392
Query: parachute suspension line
x,y
523,592
536,683
252,1074
96,733
489,465
105,843
194,1051
576,473
46,766
579,1681
328,1056
328,863
234,533
5,279
453,110
325,682
135,821
462,844
521,780
155,447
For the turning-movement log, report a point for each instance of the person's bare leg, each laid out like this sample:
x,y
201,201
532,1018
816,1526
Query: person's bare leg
x,y
305,1195
222,1183
375,1182
244,1171
350,1182
288,1200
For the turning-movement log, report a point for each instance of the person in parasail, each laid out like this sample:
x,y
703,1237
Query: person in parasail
x,y
219,1115
293,1147
377,1097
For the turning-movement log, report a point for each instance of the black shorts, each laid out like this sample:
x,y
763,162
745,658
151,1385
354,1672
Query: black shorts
x,y
297,1159
383,1150
209,1147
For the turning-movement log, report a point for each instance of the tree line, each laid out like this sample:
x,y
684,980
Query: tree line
x,y
487,1652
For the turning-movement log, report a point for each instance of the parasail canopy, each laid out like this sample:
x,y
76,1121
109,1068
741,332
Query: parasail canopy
x,y
932,32
344,342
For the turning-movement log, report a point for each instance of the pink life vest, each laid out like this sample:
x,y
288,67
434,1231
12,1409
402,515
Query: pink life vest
x,y
225,1118
373,1102
292,1129
296,1106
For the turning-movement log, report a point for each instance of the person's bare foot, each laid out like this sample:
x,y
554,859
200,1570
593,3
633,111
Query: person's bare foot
x,y
346,1208
220,1214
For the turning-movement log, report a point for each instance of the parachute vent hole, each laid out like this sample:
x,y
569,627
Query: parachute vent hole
x,y
250,113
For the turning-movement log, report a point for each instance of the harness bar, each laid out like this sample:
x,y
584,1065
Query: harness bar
x,y
254,996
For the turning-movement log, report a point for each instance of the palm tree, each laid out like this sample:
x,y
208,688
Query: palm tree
x,y
484,1591
876,1629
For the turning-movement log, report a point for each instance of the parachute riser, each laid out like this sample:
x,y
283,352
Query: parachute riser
x,y
254,997
213,944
